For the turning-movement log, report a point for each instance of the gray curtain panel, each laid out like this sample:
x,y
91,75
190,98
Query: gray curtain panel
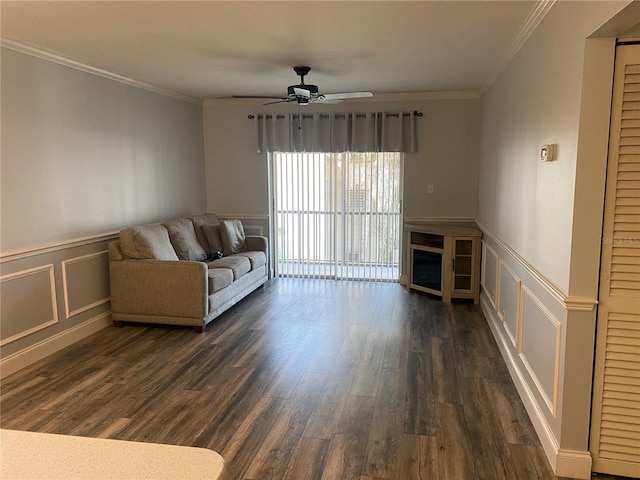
x,y
336,132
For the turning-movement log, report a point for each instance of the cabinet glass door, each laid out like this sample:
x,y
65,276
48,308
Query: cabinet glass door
x,y
462,264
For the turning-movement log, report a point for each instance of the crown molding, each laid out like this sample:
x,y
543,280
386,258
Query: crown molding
x,y
384,97
530,24
60,60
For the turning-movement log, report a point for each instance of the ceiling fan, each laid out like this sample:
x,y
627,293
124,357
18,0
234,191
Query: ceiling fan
x,y
304,93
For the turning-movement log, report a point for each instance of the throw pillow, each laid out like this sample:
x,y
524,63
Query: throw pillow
x,y
147,242
198,222
212,235
184,241
232,234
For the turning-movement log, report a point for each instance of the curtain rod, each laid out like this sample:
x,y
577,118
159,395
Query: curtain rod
x,y
338,115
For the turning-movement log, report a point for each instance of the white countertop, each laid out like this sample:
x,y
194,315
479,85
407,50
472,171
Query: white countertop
x,y
31,456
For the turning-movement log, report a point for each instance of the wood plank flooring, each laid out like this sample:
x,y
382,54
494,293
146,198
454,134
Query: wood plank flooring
x,y
304,379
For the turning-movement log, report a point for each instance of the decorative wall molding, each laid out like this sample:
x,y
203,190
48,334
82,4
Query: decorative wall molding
x,y
60,60
420,220
48,268
565,463
62,263
491,290
546,283
550,398
40,350
541,425
526,29
53,247
65,284
243,216
580,304
513,333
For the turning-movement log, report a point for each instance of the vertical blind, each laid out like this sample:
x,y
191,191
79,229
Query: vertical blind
x,y
338,215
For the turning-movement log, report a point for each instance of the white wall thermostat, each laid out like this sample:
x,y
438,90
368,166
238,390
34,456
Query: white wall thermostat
x,y
548,153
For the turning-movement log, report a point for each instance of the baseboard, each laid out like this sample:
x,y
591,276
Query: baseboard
x,y
573,464
40,350
565,463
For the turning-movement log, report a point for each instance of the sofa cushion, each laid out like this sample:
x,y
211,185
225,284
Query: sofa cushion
x,y
184,241
219,278
198,222
257,259
232,234
212,234
147,242
238,264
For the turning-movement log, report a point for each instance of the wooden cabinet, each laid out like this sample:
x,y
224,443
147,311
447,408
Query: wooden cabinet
x,y
444,259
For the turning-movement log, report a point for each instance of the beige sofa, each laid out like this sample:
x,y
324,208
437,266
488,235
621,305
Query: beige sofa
x,y
165,273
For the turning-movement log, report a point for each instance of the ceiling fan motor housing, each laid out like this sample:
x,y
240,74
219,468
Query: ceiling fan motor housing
x,y
312,89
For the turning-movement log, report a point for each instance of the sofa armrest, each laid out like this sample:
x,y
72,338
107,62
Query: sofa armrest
x,y
159,287
256,243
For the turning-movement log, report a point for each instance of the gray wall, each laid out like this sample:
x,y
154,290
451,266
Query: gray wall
x,y
82,157
82,154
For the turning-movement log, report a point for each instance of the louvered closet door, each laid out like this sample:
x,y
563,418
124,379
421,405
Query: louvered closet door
x,y
615,431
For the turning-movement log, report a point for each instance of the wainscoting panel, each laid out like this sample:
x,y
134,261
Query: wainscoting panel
x,y
489,275
528,317
540,348
508,304
21,318
51,297
85,284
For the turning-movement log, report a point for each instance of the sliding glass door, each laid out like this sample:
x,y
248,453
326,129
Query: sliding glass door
x,y
337,215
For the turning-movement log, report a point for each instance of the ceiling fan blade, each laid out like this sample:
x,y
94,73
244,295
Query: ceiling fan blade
x,y
342,96
260,96
282,100
330,101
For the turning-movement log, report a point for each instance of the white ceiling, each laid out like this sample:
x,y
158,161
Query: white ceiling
x,y
215,49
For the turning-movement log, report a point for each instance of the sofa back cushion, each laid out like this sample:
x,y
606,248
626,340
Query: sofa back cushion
x,y
200,221
232,235
147,242
184,241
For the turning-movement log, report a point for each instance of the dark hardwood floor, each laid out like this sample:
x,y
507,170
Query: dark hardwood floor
x,y
304,379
